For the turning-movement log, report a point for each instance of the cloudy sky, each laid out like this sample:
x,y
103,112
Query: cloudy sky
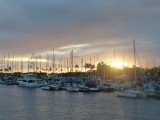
x,y
89,27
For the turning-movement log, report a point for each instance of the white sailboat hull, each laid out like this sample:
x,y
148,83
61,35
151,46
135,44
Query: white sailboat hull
x,y
72,89
132,94
45,88
54,87
22,84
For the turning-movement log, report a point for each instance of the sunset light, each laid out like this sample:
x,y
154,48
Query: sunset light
x,y
79,59
118,64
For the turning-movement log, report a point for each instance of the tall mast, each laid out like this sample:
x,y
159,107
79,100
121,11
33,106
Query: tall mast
x,y
71,60
61,63
17,65
40,64
81,65
104,70
154,68
47,65
4,63
36,63
8,62
67,66
114,56
12,62
21,66
53,61
135,72
28,65
147,64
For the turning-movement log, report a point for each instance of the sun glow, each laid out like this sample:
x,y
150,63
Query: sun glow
x,y
118,64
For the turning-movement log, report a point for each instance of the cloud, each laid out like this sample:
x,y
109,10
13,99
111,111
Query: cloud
x,y
41,25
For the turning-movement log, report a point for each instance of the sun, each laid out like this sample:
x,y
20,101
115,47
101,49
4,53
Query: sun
x,y
118,64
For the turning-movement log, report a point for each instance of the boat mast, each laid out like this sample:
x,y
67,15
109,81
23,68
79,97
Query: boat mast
x,y
71,60
47,64
53,61
21,66
154,68
67,66
114,56
123,64
12,62
135,72
28,65
4,63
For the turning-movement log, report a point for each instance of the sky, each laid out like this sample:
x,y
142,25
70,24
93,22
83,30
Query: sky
x,y
92,28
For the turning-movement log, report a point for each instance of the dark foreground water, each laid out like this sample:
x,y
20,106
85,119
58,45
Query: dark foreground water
x,y
17,103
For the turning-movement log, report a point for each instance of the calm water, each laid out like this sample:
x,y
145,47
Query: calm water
x,y
17,103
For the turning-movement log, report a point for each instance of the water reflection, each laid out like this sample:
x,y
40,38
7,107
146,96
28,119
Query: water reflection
x,y
17,103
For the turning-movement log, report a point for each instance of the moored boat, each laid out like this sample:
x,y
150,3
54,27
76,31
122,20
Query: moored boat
x,y
92,87
28,80
46,87
132,94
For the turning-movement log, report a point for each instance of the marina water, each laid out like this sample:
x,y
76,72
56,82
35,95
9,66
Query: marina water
x,y
18,103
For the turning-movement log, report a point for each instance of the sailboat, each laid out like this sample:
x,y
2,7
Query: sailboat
x,y
132,93
71,86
